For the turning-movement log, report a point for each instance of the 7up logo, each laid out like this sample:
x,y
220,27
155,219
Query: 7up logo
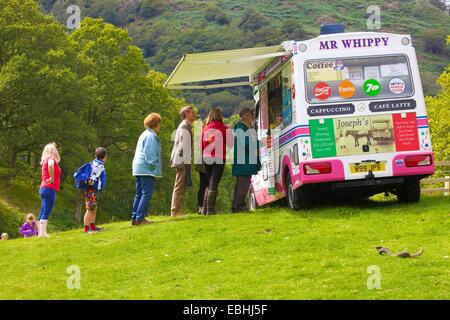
x,y
372,87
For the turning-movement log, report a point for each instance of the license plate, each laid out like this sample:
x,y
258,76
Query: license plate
x,y
367,166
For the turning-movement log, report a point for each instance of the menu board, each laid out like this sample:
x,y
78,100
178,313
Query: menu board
x,y
405,128
323,141
364,135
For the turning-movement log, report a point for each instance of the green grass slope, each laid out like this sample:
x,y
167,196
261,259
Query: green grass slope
x,y
18,197
321,253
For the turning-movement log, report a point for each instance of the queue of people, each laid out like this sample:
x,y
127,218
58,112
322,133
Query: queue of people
x,y
216,137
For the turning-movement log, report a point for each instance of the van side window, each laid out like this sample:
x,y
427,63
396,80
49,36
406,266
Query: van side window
x,y
286,82
264,106
275,102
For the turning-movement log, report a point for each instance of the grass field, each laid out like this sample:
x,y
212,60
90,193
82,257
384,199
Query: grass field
x,y
274,253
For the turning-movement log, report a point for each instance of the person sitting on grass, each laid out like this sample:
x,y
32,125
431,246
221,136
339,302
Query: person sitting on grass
x,y
4,236
29,228
96,183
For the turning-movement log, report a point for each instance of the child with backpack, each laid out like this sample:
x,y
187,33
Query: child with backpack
x,y
91,179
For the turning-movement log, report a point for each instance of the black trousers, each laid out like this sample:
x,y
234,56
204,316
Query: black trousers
x,y
201,191
214,173
240,191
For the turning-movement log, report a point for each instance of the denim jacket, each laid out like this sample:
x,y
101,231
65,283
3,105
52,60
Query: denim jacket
x,y
147,158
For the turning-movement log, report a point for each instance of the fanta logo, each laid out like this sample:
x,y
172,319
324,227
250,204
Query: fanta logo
x,y
322,91
347,89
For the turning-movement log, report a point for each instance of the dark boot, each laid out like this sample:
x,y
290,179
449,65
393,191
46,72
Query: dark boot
x,y
211,202
205,202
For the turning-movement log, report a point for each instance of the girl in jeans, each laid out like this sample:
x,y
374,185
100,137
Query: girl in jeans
x,y
147,166
215,136
51,173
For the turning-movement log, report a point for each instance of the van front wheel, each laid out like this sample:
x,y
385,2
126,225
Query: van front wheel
x,y
409,192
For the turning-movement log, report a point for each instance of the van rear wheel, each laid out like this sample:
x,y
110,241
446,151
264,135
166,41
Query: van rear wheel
x,y
409,192
296,199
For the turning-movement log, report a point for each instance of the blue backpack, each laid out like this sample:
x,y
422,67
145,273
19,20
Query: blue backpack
x,y
82,175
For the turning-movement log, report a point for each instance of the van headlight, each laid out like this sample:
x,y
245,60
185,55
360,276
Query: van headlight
x,y
302,47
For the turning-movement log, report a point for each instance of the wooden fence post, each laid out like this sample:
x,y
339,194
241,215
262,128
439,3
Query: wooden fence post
x,y
447,186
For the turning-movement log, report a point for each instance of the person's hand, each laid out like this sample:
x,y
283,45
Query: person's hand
x,y
49,181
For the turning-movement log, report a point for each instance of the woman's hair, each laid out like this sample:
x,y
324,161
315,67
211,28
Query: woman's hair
x,y
214,115
50,150
30,216
152,120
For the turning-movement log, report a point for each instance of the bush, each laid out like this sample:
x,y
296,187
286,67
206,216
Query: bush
x,y
435,40
151,8
253,20
292,29
215,14
429,85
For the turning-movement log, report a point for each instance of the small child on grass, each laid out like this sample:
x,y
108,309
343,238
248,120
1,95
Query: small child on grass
x,y
96,184
29,228
4,236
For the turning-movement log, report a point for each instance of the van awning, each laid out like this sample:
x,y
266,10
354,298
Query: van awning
x,y
199,67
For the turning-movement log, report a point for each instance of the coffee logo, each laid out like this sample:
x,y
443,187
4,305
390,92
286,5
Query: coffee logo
x,y
321,65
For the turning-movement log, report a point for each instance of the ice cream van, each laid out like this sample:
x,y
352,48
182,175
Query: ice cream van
x,y
339,115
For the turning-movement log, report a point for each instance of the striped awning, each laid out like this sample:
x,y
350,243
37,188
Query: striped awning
x,y
196,68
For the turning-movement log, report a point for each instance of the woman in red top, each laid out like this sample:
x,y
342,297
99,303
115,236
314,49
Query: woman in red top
x,y
215,137
51,173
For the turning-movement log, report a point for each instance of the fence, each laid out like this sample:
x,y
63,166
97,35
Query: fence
x,y
437,179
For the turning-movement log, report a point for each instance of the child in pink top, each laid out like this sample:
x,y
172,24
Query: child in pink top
x,y
51,173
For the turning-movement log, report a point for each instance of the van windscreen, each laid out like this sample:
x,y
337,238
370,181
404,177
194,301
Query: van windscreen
x,y
358,78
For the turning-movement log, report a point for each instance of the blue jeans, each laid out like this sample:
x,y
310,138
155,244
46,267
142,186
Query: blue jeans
x,y
144,191
48,197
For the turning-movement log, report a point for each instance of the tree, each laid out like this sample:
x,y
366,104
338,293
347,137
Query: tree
x,y
253,20
151,8
439,4
292,29
439,117
434,40
38,83
215,14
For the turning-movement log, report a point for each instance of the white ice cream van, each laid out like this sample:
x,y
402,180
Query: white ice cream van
x,y
339,115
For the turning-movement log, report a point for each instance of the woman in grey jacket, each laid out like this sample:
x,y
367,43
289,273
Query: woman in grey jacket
x,y
147,166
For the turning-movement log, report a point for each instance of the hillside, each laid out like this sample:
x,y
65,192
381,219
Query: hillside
x,y
165,30
323,253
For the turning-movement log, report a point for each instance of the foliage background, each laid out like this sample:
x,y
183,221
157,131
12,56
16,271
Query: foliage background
x,y
94,86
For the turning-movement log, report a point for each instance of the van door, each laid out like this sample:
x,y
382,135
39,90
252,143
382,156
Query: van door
x,y
263,133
